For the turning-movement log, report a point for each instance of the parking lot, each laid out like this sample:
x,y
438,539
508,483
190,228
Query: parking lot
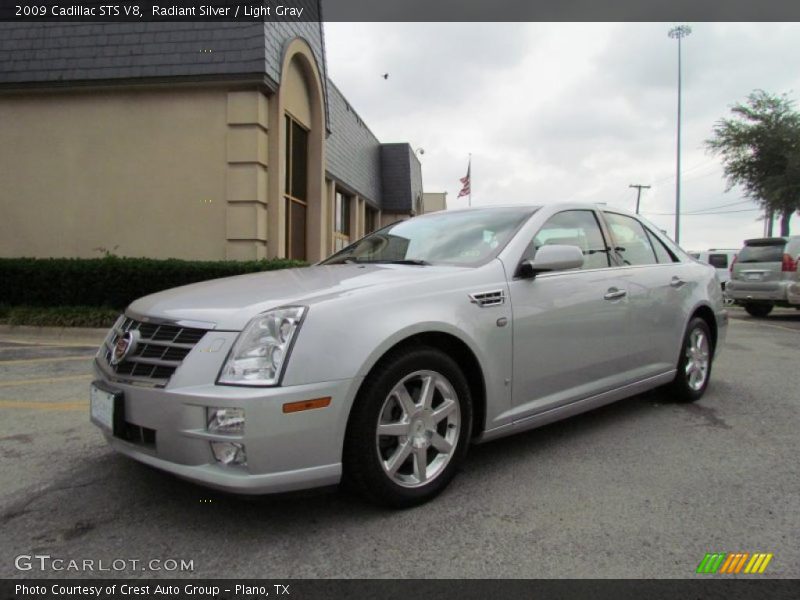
x,y
641,488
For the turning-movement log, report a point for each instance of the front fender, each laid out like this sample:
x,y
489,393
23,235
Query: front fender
x,y
344,337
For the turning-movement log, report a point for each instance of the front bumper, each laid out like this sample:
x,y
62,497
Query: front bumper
x,y
285,451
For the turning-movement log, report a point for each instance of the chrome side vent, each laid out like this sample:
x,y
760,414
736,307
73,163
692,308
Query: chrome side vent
x,y
490,298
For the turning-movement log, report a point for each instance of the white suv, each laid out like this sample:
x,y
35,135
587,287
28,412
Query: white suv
x,y
722,260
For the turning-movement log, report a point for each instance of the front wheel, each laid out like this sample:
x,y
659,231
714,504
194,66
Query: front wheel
x,y
409,428
694,366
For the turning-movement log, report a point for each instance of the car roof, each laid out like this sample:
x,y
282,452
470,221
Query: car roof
x,y
552,205
767,241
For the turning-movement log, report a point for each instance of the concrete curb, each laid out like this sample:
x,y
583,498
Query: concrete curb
x,y
89,336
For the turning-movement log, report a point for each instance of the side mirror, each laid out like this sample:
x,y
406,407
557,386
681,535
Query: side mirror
x,y
556,257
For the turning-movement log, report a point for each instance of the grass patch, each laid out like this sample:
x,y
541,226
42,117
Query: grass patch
x,y
58,316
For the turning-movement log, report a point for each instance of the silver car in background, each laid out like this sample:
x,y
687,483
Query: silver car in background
x,y
379,366
765,275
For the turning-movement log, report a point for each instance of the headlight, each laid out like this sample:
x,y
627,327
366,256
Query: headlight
x,y
262,349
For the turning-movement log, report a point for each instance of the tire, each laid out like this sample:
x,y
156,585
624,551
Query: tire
x,y
760,310
690,382
385,468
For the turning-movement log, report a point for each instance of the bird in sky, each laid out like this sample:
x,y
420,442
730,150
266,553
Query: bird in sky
x,y
385,76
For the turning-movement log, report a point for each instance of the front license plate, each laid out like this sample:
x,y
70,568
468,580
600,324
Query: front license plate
x,y
102,407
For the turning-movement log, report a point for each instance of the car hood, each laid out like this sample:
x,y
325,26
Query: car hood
x,y
229,303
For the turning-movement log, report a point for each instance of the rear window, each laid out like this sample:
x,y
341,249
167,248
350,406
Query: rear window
x,y
755,254
718,261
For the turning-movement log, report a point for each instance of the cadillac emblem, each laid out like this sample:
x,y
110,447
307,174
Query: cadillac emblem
x,y
125,346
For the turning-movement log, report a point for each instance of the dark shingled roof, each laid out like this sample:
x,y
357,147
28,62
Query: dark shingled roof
x,y
352,151
72,52
77,53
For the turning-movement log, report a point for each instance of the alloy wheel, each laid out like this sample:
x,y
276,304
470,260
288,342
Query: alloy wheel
x,y
698,359
418,429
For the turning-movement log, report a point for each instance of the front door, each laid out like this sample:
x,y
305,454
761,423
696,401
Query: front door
x,y
570,327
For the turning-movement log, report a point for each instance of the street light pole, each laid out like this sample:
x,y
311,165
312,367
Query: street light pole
x,y
419,152
679,32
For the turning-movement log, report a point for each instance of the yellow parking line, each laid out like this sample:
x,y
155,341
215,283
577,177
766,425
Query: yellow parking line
x,y
25,361
42,380
60,406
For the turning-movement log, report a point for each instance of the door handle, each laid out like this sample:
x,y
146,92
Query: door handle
x,y
677,282
614,294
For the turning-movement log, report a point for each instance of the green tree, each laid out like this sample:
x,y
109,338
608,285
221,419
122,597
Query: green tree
x,y
760,150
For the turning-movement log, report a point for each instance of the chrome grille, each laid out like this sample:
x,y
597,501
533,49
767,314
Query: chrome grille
x,y
161,350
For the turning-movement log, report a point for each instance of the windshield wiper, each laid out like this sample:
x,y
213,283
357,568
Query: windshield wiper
x,y
399,261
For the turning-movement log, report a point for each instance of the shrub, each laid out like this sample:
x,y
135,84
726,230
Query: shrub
x,y
112,281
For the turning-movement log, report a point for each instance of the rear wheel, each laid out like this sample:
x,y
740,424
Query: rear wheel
x,y
761,309
409,428
694,366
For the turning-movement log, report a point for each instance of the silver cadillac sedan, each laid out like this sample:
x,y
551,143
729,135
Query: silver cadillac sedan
x,y
379,366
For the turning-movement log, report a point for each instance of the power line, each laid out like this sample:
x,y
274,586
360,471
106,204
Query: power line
x,y
702,175
703,214
701,210
697,166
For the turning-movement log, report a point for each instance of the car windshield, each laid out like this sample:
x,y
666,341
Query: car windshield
x,y
467,238
762,253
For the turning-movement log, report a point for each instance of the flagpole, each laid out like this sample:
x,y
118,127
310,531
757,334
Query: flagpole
x,y
470,179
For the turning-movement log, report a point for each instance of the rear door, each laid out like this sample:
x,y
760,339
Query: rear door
x,y
659,288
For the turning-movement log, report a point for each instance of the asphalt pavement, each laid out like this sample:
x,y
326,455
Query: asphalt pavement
x,y
642,488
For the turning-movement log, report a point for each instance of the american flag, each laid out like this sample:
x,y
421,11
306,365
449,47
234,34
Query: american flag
x,y
465,182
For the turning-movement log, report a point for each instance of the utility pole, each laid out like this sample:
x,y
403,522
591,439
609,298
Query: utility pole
x,y
678,33
639,187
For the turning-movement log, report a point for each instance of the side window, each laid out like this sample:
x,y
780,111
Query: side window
x,y
574,228
718,261
662,252
630,240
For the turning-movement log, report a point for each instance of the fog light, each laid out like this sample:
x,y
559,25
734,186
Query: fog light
x,y
226,420
229,453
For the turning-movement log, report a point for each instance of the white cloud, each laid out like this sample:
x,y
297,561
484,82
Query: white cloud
x,y
566,111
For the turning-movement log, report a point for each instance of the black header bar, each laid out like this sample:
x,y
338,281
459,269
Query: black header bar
x,y
387,589
400,10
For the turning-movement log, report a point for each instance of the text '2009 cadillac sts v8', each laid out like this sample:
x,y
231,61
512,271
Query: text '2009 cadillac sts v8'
x,y
380,365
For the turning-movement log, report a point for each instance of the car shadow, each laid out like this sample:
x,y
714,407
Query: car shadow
x,y
790,315
110,494
129,488
549,436
783,316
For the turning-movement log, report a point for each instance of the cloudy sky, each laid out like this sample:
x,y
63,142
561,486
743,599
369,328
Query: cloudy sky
x,y
577,111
